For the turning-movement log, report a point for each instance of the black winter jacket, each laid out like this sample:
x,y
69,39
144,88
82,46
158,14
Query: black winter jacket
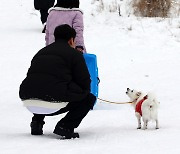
x,y
43,4
57,73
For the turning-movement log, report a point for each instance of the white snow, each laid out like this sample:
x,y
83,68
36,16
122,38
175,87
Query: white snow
x,y
134,52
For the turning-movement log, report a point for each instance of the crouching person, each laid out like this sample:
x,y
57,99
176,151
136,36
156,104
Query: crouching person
x,y
58,81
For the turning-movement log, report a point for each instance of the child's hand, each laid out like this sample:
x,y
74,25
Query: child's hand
x,y
79,48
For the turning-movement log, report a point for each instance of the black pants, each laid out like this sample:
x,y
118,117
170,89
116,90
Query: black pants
x,y
77,111
44,15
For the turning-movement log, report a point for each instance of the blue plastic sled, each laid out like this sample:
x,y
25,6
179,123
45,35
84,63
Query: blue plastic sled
x,y
91,62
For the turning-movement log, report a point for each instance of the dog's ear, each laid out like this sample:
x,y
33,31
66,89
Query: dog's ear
x,y
138,93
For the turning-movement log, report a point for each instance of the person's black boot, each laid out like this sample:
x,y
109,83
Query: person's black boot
x,y
65,133
37,127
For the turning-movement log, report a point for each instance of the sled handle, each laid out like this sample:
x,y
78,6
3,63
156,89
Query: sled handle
x,y
98,80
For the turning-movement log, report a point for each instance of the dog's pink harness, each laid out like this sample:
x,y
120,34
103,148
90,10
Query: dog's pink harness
x,y
139,104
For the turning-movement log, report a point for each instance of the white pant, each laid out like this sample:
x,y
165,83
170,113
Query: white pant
x,y
43,107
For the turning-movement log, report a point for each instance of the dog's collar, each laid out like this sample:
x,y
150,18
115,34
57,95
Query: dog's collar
x,y
135,100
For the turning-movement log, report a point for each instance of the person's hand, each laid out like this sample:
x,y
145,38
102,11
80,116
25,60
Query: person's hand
x,y
79,48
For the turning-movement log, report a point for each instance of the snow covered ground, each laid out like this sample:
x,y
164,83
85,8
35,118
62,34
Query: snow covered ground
x,y
134,52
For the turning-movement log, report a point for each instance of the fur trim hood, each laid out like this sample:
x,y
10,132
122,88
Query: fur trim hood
x,y
65,9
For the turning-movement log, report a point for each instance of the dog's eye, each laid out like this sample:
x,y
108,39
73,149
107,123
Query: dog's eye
x,y
132,91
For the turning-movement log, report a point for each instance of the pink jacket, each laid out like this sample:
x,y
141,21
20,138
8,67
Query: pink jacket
x,y
72,17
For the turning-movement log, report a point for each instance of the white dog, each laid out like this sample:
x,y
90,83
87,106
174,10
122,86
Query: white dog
x,y
146,106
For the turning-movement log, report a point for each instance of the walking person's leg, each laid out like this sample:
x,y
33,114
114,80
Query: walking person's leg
x,y
44,15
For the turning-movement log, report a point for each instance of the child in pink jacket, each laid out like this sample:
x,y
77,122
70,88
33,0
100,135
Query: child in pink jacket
x,y
66,12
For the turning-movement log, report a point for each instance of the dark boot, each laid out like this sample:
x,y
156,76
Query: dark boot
x,y
65,133
37,127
